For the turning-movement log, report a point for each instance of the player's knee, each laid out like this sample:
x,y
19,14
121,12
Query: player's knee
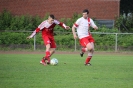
x,y
54,51
90,48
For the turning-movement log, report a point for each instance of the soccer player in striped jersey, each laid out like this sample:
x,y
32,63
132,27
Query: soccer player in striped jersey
x,y
47,28
86,40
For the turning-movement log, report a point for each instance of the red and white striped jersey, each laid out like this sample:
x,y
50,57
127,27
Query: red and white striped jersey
x,y
46,28
82,26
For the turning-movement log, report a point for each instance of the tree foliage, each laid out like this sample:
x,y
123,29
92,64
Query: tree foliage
x,y
126,6
9,22
124,24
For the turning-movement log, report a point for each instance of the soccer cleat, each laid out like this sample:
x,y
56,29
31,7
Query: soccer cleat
x,y
89,64
43,63
46,60
81,54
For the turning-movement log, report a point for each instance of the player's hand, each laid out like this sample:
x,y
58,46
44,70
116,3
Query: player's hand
x,y
67,27
75,36
28,37
96,28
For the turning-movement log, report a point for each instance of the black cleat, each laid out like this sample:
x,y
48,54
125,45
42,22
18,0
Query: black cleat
x,y
81,54
46,60
89,64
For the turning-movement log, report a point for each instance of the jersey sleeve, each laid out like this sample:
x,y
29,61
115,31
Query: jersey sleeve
x,y
42,25
92,24
76,24
60,23
34,32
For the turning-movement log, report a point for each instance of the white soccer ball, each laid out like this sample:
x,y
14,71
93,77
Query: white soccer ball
x,y
53,61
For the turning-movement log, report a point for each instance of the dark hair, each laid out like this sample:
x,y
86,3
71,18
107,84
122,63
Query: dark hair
x,y
86,10
52,16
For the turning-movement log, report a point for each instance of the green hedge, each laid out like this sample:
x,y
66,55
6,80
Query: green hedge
x,y
8,38
9,22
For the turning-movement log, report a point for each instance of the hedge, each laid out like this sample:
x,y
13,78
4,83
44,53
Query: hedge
x,y
8,38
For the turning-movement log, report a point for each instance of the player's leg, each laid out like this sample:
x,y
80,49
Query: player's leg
x,y
52,49
83,46
88,42
50,53
81,52
47,52
47,55
53,46
90,53
83,43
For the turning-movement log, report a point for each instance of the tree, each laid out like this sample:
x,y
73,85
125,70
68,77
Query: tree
x,y
126,6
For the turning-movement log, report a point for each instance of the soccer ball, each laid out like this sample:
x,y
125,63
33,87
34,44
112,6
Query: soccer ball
x,y
53,61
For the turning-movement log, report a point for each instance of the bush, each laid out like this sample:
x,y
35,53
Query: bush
x,y
7,38
125,24
64,39
15,23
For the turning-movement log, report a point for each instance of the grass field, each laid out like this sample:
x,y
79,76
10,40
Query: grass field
x,y
107,71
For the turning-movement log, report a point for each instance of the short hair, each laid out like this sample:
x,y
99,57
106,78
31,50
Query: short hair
x,y
52,16
86,10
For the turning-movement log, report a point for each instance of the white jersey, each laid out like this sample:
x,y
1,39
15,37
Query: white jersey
x,y
82,26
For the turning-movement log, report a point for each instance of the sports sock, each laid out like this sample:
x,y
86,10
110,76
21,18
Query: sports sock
x,y
88,59
47,54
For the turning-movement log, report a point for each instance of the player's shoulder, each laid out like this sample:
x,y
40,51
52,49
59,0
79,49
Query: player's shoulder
x,y
43,22
56,21
91,20
79,19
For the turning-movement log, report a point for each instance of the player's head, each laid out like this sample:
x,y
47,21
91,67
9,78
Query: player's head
x,y
85,13
51,18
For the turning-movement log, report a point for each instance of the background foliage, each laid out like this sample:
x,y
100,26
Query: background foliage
x,y
15,29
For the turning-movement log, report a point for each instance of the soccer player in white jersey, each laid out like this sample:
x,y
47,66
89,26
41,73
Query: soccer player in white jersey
x,y
47,28
86,40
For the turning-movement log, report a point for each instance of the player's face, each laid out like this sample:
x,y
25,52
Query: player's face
x,y
50,20
85,15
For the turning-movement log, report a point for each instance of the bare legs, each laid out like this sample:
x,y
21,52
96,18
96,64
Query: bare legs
x,y
49,52
90,49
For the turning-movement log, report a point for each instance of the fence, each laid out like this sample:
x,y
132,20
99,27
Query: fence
x,y
103,42
117,46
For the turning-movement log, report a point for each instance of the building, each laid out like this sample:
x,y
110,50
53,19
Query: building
x,y
99,9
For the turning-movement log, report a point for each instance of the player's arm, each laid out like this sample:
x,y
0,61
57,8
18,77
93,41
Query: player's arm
x,y
73,31
34,33
62,24
93,24
75,25
40,27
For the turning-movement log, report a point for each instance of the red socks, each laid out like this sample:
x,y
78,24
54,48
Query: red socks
x,y
47,56
47,53
88,59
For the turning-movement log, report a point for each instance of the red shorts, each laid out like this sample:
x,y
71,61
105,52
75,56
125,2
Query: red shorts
x,y
49,40
84,41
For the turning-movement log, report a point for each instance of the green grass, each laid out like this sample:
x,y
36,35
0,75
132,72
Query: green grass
x,y
107,71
